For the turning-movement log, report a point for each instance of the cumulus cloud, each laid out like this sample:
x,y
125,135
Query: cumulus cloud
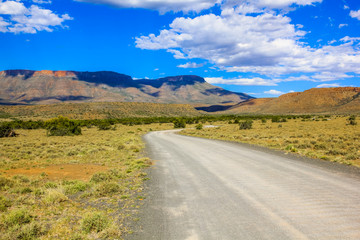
x,y
265,43
160,5
20,19
355,14
327,85
258,5
12,8
191,65
274,92
242,81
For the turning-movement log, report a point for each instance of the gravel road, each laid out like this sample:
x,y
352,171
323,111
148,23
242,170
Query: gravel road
x,y
206,189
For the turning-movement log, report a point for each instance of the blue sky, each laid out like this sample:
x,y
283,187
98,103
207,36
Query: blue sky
x,y
261,47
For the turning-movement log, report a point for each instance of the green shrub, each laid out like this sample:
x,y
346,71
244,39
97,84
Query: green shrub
x,y
4,204
75,186
179,123
94,222
105,189
6,130
17,217
104,125
62,126
101,177
6,183
246,125
54,196
352,120
29,231
199,126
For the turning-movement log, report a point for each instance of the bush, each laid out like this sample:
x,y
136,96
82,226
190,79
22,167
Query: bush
x,y
62,126
179,123
54,196
105,189
101,177
199,127
18,217
352,120
5,182
246,125
4,204
75,186
104,125
6,130
94,222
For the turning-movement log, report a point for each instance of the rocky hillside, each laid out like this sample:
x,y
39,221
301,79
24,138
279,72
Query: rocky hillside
x,y
46,87
316,100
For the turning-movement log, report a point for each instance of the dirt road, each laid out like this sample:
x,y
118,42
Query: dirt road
x,y
205,189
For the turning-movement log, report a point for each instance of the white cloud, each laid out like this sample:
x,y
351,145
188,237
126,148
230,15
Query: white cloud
x,y
20,19
42,1
355,14
346,7
191,65
160,5
12,8
264,43
242,81
274,92
343,25
326,85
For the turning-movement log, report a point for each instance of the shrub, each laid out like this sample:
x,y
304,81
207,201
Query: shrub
x,y
32,230
5,182
6,130
246,125
352,120
4,204
179,123
94,222
73,187
101,177
199,127
18,217
275,119
54,196
104,125
62,126
107,189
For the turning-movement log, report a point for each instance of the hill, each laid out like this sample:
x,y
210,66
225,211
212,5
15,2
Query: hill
x,y
97,110
343,100
47,87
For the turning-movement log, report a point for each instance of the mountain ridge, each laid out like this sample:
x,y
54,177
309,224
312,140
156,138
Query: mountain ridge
x,y
47,86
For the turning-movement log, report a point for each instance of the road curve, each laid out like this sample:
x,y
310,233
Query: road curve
x,y
206,189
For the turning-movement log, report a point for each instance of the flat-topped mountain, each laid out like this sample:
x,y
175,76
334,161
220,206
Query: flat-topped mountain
x,y
45,87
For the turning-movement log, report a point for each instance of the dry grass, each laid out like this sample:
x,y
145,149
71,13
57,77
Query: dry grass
x,y
331,140
56,182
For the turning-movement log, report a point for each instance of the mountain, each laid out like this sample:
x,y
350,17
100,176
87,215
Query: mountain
x,y
46,87
344,100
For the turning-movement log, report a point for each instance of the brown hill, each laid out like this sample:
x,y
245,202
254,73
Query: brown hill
x,y
315,100
46,87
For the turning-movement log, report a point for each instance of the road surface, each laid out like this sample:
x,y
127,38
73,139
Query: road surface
x,y
206,189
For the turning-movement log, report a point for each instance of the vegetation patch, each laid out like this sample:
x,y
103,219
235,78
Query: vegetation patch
x,y
336,139
50,186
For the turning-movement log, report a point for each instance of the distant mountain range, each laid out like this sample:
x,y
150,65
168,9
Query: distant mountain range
x,y
26,87
47,87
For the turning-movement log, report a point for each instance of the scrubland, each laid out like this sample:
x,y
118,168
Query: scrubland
x,y
328,138
72,187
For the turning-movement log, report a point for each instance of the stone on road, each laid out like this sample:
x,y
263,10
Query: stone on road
x,y
206,189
